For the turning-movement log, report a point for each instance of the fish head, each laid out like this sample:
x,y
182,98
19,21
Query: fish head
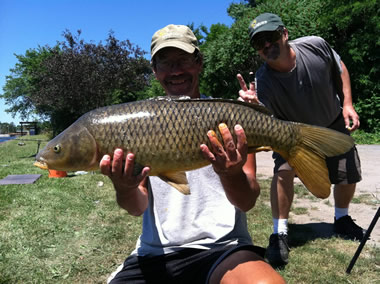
x,y
74,149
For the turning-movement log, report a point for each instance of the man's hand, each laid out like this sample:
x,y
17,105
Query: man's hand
x,y
131,193
122,178
349,115
241,188
245,94
230,159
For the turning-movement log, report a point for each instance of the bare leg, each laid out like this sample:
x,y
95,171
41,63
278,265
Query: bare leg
x,y
245,267
282,193
343,194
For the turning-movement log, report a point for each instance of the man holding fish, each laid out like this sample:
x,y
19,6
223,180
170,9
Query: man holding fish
x,y
201,237
299,81
179,142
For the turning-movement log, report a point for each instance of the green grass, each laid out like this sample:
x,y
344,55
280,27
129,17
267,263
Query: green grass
x,y
70,230
368,199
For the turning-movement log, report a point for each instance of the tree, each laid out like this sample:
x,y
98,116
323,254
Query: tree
x,y
352,28
23,83
7,127
227,54
67,80
154,90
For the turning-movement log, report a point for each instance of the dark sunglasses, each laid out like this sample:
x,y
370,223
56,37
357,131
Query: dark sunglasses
x,y
258,41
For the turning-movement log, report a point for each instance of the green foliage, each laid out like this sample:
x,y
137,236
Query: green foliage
x,y
7,127
216,30
362,137
23,81
153,90
200,32
74,77
238,10
352,27
228,54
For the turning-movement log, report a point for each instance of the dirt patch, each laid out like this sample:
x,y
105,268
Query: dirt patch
x,y
318,214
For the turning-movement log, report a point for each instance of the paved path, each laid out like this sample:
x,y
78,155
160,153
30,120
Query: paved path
x,y
321,213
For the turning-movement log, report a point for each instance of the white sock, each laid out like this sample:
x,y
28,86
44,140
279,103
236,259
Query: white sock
x,y
280,226
340,212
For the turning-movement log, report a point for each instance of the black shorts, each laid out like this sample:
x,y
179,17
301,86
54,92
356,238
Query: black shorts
x,y
343,169
184,266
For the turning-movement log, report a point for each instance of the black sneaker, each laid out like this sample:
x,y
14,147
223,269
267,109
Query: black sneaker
x,y
278,250
345,227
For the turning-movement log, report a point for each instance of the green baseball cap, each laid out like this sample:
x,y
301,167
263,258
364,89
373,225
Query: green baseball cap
x,y
266,22
178,36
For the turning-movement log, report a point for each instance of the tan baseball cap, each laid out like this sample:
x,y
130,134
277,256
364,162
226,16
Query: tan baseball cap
x,y
178,36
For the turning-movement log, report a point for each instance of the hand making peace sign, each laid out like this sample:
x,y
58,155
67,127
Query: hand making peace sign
x,y
245,94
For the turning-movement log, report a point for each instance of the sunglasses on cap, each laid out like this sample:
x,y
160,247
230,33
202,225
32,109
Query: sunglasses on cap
x,y
258,41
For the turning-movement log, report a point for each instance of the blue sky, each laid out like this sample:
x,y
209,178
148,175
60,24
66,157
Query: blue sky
x,y
26,24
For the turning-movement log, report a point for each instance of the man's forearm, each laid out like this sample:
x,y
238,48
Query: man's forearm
x,y
347,100
134,201
242,190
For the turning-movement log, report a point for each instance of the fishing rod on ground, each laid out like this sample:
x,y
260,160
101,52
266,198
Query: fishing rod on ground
x,y
364,240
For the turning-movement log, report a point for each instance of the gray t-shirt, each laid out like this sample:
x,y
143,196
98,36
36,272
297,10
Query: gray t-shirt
x,y
204,219
308,93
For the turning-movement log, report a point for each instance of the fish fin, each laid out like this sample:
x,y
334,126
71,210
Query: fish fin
x,y
311,169
324,141
178,180
256,149
308,157
257,107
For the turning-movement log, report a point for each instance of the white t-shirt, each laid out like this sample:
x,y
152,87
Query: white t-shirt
x,y
204,219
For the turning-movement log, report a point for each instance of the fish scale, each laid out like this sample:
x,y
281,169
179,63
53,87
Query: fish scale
x,y
165,134
167,130
175,129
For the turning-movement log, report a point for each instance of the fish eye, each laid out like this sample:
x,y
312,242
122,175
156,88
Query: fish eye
x,y
57,148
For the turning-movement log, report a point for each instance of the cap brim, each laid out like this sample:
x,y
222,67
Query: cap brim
x,y
266,28
174,43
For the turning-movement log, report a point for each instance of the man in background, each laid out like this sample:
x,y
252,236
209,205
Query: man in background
x,y
303,80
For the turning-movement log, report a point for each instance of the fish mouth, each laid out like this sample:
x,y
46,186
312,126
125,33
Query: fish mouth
x,y
41,165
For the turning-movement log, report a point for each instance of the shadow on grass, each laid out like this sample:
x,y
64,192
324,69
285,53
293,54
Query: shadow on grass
x,y
300,234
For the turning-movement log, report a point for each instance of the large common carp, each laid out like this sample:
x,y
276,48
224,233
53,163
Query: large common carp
x,y
166,133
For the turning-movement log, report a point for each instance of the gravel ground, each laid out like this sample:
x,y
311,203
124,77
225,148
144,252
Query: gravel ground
x,y
320,213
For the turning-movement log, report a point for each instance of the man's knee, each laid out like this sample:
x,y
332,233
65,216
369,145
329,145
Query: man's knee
x,y
245,267
284,179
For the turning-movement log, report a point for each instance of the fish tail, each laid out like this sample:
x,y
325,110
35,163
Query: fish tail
x,y
308,157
